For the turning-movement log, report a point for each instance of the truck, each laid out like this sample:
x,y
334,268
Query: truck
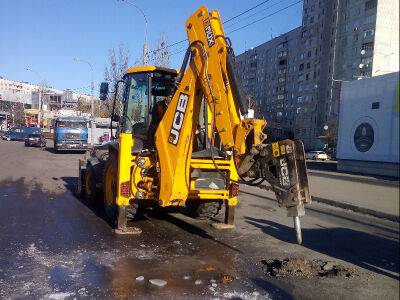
x,y
19,133
186,140
71,133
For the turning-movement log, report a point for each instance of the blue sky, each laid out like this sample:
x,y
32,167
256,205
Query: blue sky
x,y
47,34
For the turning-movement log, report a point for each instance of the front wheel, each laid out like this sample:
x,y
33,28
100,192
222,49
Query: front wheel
x,y
110,185
110,188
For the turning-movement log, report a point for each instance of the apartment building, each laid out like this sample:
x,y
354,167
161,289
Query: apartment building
x,y
340,40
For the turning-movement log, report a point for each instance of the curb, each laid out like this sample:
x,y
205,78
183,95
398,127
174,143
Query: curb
x,y
358,209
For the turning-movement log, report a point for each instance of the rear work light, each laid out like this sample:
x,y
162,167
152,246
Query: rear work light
x,y
125,189
233,189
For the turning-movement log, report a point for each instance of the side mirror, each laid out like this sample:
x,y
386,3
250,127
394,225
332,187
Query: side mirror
x,y
115,118
103,91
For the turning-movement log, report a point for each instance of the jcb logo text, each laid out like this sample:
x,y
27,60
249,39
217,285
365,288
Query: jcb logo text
x,y
178,119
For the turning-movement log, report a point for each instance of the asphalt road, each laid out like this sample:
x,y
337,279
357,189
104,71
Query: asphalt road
x,y
53,246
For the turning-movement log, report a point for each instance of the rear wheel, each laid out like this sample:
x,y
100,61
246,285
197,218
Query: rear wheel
x,y
203,210
91,191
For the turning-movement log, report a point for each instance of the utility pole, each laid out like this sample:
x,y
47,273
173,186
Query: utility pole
x,y
40,91
91,98
145,45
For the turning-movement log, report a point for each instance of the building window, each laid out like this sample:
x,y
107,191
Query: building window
x,y
308,65
375,105
370,4
366,61
281,71
301,67
369,19
282,54
367,46
369,32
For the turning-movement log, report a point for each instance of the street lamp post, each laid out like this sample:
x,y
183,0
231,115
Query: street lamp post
x,y
40,90
145,46
91,97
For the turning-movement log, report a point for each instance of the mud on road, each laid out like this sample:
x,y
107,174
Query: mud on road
x,y
53,246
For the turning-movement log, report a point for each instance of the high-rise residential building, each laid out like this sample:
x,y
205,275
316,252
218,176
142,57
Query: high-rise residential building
x,y
296,77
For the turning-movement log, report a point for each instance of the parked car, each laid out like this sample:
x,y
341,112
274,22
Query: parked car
x,y
19,133
35,140
316,155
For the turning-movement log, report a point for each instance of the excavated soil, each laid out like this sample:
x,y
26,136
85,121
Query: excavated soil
x,y
297,266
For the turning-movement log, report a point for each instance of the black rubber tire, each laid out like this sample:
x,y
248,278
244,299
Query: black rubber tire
x,y
203,210
91,192
111,209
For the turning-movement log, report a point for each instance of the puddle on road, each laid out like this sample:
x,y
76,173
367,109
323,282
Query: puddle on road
x,y
298,266
183,276
64,250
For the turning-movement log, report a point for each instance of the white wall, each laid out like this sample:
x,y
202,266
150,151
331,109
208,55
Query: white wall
x,y
386,49
355,108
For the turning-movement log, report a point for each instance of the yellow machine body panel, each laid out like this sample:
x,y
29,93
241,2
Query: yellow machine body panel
x,y
140,69
124,166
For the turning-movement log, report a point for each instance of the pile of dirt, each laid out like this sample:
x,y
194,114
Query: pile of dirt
x,y
297,266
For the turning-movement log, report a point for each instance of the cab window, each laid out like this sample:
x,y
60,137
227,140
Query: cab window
x,y
136,101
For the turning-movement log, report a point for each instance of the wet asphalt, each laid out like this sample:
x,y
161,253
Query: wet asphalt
x,y
55,246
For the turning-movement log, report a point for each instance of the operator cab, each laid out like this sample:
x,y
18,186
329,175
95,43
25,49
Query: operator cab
x,y
143,110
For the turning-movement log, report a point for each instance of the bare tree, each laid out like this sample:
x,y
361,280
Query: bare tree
x,y
16,111
332,133
83,105
160,55
118,62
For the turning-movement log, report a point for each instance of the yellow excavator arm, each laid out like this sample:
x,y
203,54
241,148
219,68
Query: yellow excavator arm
x,y
208,73
186,139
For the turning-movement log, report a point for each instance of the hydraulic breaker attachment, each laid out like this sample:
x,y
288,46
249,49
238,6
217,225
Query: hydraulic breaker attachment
x,y
282,165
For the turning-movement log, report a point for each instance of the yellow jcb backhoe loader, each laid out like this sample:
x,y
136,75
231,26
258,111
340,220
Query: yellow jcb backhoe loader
x,y
185,139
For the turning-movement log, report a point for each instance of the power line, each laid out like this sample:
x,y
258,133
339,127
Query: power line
x,y
258,20
246,11
265,17
254,14
235,17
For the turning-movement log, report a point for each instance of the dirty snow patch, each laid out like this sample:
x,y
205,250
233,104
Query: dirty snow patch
x,y
59,296
158,282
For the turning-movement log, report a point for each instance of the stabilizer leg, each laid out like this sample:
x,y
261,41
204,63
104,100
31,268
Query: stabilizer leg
x,y
229,218
122,223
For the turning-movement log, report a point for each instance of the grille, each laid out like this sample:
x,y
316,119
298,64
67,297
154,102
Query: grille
x,y
72,135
